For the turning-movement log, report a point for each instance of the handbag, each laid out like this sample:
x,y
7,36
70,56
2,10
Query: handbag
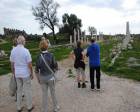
x,y
12,86
48,66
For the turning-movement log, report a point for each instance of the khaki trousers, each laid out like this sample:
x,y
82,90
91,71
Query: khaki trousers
x,y
26,82
49,84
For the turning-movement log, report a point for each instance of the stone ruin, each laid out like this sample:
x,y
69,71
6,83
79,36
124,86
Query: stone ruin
x,y
2,54
76,37
100,36
128,40
126,44
133,62
12,33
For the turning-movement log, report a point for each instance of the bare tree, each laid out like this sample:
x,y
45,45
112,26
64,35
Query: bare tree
x,y
46,14
92,30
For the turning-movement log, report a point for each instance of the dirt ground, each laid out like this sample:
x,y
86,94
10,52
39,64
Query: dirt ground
x,y
117,95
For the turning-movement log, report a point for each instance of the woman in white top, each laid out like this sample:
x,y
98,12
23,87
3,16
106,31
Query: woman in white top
x,y
21,62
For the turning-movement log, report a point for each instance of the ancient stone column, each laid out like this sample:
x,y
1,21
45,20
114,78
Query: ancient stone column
x,y
70,39
78,34
127,37
82,39
86,40
100,36
75,36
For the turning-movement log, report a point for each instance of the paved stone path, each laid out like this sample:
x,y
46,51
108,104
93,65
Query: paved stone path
x,y
117,95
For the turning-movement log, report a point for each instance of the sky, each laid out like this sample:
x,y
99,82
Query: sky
x,y
107,16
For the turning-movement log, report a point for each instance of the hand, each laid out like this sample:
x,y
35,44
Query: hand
x,y
13,74
39,81
31,76
37,76
58,68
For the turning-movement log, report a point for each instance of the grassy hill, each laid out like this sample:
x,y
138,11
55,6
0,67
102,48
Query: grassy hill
x,y
121,67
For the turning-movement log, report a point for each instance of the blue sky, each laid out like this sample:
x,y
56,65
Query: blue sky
x,y
108,16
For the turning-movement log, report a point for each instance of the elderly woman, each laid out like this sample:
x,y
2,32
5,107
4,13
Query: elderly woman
x,y
14,46
45,69
21,63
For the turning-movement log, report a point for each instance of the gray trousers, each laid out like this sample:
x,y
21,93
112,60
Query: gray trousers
x,y
49,84
26,82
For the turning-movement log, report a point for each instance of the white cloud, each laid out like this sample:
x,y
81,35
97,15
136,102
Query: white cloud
x,y
18,15
129,4
105,18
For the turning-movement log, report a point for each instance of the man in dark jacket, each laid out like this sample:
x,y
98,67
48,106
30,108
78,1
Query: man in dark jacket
x,y
93,52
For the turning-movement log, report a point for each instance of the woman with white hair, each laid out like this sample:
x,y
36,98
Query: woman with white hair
x,y
21,62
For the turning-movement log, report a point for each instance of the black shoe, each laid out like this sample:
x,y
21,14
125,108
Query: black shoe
x,y
92,88
79,85
83,85
22,95
30,110
19,110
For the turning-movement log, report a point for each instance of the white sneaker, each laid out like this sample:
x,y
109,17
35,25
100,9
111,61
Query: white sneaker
x,y
57,109
92,89
98,89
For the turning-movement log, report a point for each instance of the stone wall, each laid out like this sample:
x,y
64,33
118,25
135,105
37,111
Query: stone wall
x,y
12,33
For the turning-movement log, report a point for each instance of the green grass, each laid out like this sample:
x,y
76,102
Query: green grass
x,y
59,53
6,46
32,45
105,53
121,69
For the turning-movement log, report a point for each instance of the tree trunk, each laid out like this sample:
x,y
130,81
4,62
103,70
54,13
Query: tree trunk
x,y
54,36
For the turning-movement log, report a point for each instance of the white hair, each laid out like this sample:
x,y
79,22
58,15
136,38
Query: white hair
x,y
43,38
21,40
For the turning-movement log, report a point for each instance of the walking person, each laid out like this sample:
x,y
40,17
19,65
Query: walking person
x,y
14,45
45,69
79,64
21,63
93,52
